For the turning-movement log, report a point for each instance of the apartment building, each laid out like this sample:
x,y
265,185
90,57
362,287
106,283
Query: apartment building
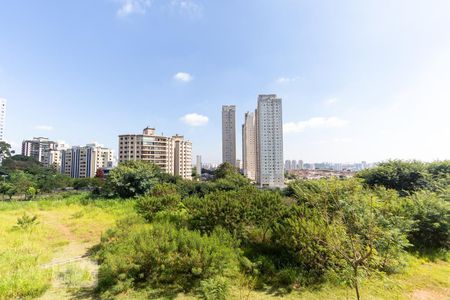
x,y
2,118
172,154
229,134
249,146
39,148
269,142
84,161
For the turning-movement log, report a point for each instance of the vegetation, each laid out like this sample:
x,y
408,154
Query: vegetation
x,y
227,239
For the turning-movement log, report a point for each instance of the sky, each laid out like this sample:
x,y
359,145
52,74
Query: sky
x,y
360,80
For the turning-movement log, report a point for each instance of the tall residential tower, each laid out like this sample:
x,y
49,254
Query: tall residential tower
x,y
2,118
269,145
229,134
249,146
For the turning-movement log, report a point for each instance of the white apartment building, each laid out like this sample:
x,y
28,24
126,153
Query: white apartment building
x,y
172,154
269,147
249,146
2,118
84,161
229,134
39,148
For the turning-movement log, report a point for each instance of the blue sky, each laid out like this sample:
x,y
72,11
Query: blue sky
x,y
360,80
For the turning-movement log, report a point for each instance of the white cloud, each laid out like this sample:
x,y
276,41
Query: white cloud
x,y
284,80
189,8
194,119
43,127
183,77
317,122
129,7
331,101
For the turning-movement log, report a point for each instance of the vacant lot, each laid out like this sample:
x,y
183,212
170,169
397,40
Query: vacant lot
x,y
48,257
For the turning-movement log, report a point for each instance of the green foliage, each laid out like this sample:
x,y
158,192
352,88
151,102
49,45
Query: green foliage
x,y
340,226
21,181
133,178
431,217
225,170
160,255
7,188
215,288
26,221
5,149
408,176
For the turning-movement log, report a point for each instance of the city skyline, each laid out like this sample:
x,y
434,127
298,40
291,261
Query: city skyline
x,y
350,93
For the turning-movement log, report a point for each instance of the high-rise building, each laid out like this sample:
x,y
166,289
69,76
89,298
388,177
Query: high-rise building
x,y
2,118
269,148
182,156
287,165
229,134
249,146
84,161
198,165
294,164
39,148
172,154
300,165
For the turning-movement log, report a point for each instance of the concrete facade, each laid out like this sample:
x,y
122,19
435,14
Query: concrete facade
x,y
172,154
249,146
269,148
229,134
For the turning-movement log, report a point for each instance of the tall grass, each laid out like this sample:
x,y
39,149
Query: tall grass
x,y
24,250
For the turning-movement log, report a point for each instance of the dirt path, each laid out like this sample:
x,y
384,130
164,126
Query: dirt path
x,y
74,272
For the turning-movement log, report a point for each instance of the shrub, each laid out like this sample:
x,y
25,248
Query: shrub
x,y
431,217
215,288
160,255
132,178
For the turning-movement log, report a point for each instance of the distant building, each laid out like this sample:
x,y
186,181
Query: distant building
x,y
249,146
287,165
2,118
300,165
198,165
269,128
172,154
229,134
39,148
84,161
293,164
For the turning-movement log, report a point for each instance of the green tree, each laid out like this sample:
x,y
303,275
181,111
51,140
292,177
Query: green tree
x,y
342,220
133,178
403,176
21,182
224,170
6,188
431,217
5,150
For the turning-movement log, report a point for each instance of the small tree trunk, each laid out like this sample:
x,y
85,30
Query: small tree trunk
x,y
355,273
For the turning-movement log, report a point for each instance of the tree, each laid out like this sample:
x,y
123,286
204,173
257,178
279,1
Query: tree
x,y
225,170
133,178
21,182
354,225
431,217
6,188
5,150
403,176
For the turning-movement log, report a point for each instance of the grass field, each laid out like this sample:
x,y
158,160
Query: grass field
x,y
34,259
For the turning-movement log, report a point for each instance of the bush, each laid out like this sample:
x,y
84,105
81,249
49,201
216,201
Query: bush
x,y
132,178
161,256
215,288
431,217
